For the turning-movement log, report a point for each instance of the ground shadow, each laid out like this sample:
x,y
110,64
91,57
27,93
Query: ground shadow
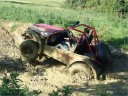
x,y
120,61
120,57
47,63
119,88
10,64
119,42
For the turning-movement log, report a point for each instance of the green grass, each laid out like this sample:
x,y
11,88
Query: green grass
x,y
52,3
110,28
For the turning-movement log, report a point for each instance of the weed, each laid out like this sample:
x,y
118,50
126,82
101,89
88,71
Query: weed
x,y
11,87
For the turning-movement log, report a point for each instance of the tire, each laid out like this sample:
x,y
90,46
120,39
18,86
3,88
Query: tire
x,y
104,54
29,50
83,67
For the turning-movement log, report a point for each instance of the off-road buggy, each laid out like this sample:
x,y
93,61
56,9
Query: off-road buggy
x,y
77,46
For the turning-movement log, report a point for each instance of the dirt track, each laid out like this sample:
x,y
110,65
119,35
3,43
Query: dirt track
x,y
50,75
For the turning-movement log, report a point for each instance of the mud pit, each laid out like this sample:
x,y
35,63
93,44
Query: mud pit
x,y
51,75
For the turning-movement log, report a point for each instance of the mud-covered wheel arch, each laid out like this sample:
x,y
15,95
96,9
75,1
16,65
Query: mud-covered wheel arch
x,y
80,66
29,50
91,70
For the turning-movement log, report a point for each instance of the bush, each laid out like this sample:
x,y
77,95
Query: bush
x,y
112,5
11,87
100,5
82,3
75,3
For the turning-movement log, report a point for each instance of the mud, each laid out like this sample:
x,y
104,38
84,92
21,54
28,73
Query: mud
x,y
51,74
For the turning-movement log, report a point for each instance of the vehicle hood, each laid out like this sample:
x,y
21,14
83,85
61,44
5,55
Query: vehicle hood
x,y
48,28
45,29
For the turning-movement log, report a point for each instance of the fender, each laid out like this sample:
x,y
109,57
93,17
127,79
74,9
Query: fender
x,y
34,33
97,71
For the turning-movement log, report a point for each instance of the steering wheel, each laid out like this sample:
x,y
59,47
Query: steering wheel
x,y
52,38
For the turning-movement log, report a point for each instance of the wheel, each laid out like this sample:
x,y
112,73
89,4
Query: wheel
x,y
81,67
104,54
29,50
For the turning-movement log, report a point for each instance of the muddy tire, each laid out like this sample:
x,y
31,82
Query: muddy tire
x,y
104,54
81,67
29,50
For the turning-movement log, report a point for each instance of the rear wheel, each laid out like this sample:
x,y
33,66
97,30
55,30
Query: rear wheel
x,y
104,54
29,50
81,67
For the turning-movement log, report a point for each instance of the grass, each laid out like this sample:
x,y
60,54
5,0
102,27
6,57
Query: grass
x,y
50,3
111,28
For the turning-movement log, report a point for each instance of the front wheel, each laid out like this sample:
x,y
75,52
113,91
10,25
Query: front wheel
x,y
29,50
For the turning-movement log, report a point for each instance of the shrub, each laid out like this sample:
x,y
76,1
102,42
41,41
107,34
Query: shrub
x,y
100,5
112,5
82,3
75,3
11,87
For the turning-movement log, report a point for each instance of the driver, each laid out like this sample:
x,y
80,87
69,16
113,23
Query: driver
x,y
65,42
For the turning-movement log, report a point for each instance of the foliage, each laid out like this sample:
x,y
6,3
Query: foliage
x,y
113,5
100,5
82,3
75,3
65,91
11,87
